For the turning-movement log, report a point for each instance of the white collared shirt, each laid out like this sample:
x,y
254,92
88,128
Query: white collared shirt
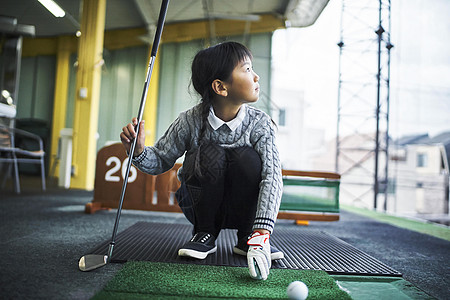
x,y
216,123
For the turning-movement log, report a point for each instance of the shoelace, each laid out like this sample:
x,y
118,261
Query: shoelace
x,y
203,240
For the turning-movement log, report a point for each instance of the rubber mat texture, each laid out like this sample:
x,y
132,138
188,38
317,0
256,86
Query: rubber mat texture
x,y
303,249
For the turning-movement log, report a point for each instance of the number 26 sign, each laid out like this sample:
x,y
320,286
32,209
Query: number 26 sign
x,y
114,164
111,166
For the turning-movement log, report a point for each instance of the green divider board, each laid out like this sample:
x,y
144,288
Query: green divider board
x,y
310,195
145,280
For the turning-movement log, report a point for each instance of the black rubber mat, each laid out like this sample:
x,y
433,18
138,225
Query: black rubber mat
x,y
303,249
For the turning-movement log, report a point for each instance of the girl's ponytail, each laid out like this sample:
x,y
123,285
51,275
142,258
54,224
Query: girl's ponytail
x,y
205,107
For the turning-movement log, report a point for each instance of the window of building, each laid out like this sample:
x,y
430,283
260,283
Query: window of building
x,y
422,160
282,117
392,186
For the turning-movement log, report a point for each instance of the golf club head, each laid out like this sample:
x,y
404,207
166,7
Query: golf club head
x,y
92,261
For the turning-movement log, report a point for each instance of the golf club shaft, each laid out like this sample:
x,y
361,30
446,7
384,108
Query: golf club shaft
x,y
159,29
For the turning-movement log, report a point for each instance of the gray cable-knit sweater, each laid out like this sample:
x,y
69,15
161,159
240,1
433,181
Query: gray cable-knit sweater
x,y
256,131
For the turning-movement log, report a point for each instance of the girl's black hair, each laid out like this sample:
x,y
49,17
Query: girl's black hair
x,y
216,62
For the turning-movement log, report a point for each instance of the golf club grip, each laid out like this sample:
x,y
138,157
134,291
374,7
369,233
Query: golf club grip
x,y
159,29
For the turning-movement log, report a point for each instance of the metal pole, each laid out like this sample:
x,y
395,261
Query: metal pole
x,y
379,32
341,45
389,46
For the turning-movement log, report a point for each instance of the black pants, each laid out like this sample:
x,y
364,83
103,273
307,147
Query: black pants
x,y
224,191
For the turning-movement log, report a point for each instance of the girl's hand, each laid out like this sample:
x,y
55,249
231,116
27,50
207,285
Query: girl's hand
x,y
128,134
258,255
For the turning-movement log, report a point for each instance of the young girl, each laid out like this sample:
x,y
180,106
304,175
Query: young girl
x,y
231,174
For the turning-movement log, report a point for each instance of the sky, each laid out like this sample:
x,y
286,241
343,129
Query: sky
x,y
420,67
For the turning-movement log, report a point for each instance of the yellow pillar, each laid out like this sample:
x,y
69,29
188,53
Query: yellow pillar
x,y
151,104
60,95
90,60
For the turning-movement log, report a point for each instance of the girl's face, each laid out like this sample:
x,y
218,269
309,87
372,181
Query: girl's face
x,y
243,86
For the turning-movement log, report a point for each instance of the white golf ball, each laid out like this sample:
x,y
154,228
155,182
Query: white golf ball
x,y
297,290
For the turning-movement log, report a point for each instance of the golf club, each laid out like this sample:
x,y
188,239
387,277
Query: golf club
x,y
93,261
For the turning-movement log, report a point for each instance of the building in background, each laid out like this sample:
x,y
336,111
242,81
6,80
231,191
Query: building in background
x,y
420,175
296,140
418,183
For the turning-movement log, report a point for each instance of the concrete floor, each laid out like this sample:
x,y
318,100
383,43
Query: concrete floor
x,y
42,236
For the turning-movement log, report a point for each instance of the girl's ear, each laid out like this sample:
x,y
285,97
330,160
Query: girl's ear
x,y
219,88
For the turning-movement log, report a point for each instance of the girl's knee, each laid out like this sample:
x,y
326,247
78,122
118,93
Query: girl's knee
x,y
246,161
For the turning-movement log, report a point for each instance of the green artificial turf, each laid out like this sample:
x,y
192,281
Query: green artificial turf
x,y
442,232
147,280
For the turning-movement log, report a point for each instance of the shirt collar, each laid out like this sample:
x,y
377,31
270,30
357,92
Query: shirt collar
x,y
216,123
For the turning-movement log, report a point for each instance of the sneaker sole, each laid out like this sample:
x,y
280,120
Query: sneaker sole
x,y
273,256
195,254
